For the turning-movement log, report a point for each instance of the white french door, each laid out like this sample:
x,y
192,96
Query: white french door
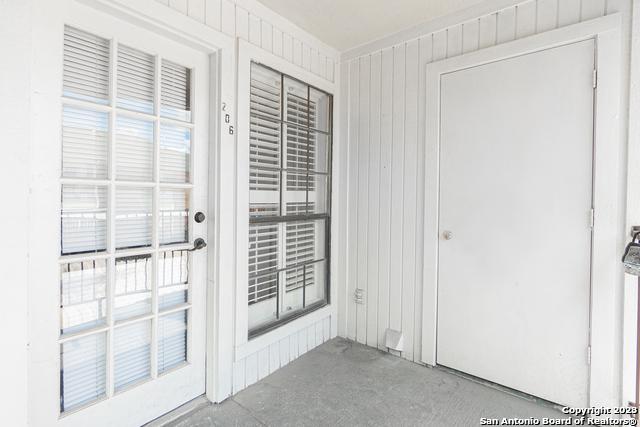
x,y
128,343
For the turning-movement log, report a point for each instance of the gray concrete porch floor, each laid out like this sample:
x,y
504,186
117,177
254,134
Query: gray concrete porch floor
x,y
342,383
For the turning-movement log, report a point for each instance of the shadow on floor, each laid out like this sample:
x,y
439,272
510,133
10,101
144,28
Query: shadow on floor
x,y
342,383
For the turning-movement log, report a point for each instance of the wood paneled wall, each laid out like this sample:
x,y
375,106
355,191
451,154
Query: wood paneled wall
x,y
383,103
235,18
258,365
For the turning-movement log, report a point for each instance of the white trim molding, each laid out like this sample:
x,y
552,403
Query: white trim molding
x,y
605,370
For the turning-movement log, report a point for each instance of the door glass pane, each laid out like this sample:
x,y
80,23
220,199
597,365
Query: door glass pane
x,y
134,217
83,296
85,135
83,363
136,75
175,153
84,219
174,216
173,278
132,354
175,91
133,286
134,149
172,340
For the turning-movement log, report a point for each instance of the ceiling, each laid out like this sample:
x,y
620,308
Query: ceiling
x,y
345,24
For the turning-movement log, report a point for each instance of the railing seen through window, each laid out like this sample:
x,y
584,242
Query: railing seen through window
x,y
289,198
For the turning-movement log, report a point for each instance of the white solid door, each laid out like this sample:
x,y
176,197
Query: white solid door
x,y
516,197
120,322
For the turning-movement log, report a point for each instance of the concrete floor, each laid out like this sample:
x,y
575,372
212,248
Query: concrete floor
x,y
341,383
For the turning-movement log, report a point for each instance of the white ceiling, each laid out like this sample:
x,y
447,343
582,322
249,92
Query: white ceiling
x,y
345,24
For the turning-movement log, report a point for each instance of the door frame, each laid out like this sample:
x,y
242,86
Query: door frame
x,y
45,147
608,194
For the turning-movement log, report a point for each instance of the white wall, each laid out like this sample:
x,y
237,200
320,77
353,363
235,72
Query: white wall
x,y
15,45
383,111
252,21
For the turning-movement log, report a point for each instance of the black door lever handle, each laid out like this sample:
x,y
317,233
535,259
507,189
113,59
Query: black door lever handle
x,y
198,244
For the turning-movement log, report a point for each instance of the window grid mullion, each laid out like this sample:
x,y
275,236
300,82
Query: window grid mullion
x,y
156,218
111,209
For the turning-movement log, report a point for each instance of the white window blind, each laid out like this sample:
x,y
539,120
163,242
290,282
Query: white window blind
x,y
134,149
175,153
132,354
136,76
174,216
83,295
172,340
263,258
132,295
86,66
134,217
83,372
84,219
265,129
85,136
301,248
175,91
173,278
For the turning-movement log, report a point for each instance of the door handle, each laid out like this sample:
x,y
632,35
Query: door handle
x,y
198,244
447,235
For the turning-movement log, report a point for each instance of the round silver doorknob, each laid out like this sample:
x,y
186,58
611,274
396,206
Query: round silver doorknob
x,y
447,235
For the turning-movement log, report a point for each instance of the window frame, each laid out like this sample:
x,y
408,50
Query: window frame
x,y
268,334
283,220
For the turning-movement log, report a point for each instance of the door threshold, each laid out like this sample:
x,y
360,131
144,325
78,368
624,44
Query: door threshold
x,y
500,387
191,406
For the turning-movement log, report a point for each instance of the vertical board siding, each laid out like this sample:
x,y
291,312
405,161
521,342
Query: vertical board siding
x,y
488,28
506,25
526,17
384,220
213,14
371,317
410,192
363,195
196,10
269,359
425,56
470,36
228,18
235,21
385,133
353,121
397,181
